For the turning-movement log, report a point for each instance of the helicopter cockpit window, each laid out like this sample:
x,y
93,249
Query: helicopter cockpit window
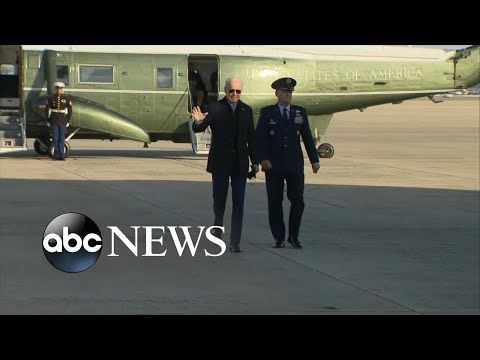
x,y
7,69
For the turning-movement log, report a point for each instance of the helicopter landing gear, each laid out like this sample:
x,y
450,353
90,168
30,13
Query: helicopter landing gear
x,y
325,150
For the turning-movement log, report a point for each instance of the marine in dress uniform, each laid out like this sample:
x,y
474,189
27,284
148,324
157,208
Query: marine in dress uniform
x,y
279,151
59,114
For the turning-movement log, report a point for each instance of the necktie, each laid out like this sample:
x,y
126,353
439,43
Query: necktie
x,y
285,113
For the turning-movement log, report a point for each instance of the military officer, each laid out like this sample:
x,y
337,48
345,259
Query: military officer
x,y
279,151
59,115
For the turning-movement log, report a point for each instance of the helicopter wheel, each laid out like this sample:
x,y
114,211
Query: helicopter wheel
x,y
325,150
51,150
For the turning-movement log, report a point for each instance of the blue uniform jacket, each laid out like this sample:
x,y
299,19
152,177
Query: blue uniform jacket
x,y
278,140
62,109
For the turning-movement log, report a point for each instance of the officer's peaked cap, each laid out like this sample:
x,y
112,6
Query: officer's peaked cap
x,y
59,84
285,83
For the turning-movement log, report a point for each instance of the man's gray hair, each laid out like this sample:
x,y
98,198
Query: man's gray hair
x,y
230,79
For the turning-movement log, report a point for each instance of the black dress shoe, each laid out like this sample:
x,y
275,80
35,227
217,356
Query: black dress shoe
x,y
279,244
294,242
235,248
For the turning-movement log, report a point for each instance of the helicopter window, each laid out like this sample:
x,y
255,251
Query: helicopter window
x,y
7,69
62,73
99,74
164,78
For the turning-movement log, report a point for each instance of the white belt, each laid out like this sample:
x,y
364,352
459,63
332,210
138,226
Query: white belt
x,y
60,111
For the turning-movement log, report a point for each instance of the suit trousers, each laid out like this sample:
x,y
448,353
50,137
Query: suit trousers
x,y
295,186
220,191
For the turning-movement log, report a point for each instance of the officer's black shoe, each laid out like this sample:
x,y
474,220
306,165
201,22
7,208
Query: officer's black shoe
x,y
294,242
279,244
235,248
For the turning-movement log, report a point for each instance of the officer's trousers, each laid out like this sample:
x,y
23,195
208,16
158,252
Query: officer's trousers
x,y
220,191
295,186
58,139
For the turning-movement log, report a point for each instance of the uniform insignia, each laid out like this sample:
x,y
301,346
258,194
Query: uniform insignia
x,y
298,119
271,122
272,132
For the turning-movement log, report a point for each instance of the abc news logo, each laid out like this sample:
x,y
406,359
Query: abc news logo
x,y
72,242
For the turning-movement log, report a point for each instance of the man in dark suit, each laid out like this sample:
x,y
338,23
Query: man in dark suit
x,y
279,150
232,144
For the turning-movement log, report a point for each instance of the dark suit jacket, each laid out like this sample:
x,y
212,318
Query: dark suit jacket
x,y
278,140
233,137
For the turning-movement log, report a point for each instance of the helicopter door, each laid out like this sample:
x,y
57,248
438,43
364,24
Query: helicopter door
x,y
12,122
202,89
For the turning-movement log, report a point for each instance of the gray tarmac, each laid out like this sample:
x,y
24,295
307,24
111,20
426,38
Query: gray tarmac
x,y
391,225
